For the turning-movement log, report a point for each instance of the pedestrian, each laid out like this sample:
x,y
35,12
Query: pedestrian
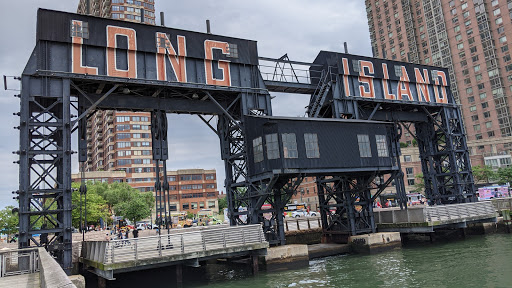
x,y
120,235
135,233
126,234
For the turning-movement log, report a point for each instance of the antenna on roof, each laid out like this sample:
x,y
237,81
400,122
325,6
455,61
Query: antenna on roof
x,y
208,27
162,19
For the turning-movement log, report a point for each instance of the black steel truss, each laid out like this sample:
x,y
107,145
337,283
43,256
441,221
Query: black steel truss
x,y
45,166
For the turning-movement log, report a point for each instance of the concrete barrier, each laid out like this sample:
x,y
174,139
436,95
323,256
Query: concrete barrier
x,y
376,242
51,274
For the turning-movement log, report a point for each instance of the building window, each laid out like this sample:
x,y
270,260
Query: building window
x,y
496,12
193,205
485,105
409,171
382,146
289,145
472,108
474,117
272,146
257,146
173,207
488,124
503,39
410,182
364,145
460,46
211,204
476,127
471,99
490,134
407,158
311,141
209,177
487,114
185,206
478,137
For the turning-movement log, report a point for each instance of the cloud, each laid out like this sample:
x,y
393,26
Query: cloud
x,y
299,28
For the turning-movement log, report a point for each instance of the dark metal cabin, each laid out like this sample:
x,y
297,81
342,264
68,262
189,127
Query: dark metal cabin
x,y
279,145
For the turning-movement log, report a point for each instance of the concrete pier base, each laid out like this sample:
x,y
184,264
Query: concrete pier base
x,y
285,257
376,242
481,228
325,250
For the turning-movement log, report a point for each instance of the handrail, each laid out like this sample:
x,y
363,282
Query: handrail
x,y
19,261
208,239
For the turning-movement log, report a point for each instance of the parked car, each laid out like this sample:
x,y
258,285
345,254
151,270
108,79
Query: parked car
x,y
303,213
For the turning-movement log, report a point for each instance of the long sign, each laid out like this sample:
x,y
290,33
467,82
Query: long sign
x,y
132,50
374,78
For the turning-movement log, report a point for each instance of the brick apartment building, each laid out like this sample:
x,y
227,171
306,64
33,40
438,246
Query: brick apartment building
x,y
190,190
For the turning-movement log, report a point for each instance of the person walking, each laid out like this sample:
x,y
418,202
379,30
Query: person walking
x,y
135,233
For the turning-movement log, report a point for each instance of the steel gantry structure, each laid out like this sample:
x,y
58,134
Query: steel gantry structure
x,y
82,63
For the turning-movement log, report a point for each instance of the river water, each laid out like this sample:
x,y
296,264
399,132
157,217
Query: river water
x,y
477,261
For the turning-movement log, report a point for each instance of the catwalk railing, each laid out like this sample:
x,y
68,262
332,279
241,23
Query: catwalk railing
x,y
192,243
19,261
437,215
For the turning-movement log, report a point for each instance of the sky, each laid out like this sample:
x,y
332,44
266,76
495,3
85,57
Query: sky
x,y
298,28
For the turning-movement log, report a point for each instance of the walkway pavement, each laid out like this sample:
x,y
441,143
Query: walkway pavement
x,y
25,281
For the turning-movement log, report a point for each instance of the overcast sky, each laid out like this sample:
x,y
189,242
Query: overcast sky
x,y
299,28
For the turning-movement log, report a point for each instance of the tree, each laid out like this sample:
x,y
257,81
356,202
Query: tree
x,y
8,220
504,175
124,200
419,184
136,209
223,203
483,173
96,205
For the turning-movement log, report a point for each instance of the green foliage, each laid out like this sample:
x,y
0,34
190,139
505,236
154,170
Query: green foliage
x,y
414,143
403,145
483,173
419,184
223,203
504,175
136,209
8,221
104,200
96,206
190,215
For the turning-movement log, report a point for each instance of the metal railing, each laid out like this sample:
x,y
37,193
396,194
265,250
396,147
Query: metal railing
x,y
459,211
436,215
19,261
175,243
502,203
302,224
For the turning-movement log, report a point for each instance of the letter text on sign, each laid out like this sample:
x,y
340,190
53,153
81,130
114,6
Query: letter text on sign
x,y
385,85
76,54
177,60
130,34
421,85
209,46
366,80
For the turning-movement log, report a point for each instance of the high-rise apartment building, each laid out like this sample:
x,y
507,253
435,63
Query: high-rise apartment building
x,y
472,39
128,10
121,140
